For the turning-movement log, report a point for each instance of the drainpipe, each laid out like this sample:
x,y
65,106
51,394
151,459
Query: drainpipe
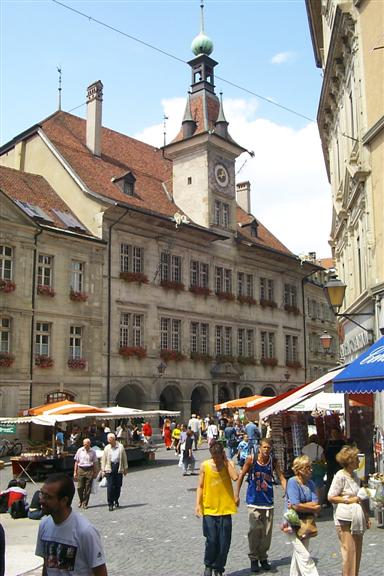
x,y
304,281
109,309
33,304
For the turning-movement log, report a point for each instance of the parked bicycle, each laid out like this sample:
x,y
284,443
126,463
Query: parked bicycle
x,y
10,447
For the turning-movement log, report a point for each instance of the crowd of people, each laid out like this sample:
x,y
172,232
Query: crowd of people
x,y
239,451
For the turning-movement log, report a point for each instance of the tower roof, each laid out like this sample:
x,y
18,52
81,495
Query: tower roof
x,y
202,44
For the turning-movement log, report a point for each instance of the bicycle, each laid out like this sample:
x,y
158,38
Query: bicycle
x,y
10,447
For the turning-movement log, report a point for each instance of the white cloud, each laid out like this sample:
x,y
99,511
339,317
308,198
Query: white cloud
x,y
290,191
283,57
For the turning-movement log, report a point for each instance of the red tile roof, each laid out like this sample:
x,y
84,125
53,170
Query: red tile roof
x,y
35,190
120,154
327,263
264,238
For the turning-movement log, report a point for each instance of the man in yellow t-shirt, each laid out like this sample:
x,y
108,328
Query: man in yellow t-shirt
x,y
215,502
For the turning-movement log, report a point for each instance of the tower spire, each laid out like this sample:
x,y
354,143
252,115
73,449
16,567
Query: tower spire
x,y
202,17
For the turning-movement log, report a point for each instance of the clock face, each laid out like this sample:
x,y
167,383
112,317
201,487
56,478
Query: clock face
x,y
221,175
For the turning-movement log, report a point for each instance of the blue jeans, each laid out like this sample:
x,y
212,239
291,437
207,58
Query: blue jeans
x,y
217,531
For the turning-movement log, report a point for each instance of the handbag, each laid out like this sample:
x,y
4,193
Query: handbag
x,y
103,482
307,528
94,486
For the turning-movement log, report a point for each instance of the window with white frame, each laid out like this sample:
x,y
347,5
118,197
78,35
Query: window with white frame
x,y
267,341
6,262
76,342
170,334
250,343
199,274
291,349
45,270
77,276
245,342
241,342
244,284
223,280
131,258
228,340
266,289
5,334
131,330
290,295
42,338
222,214
219,344
170,268
199,338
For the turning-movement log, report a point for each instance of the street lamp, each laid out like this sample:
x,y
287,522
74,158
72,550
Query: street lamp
x,y
326,341
161,368
335,292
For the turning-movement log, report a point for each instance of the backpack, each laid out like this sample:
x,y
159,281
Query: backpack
x,y
17,509
4,503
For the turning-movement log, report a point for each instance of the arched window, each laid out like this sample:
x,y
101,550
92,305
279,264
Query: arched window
x,y
268,391
59,397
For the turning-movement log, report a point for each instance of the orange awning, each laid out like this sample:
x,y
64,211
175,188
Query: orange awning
x,y
241,402
62,408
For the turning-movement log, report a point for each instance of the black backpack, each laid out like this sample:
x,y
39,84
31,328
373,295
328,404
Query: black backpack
x,y
18,509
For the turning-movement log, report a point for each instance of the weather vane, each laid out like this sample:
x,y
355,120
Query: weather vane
x,y
165,118
59,71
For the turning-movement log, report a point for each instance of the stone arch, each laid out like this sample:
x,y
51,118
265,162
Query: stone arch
x,y
268,391
224,393
246,391
171,398
200,401
131,396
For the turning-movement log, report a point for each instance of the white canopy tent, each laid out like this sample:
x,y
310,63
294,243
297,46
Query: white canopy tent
x,y
322,401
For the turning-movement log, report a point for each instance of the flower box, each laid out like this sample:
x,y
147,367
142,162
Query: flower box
x,y
295,364
138,277
77,363
197,357
200,290
228,296
272,362
7,286
133,351
291,309
45,290
171,355
247,360
6,359
78,296
246,300
170,285
43,361
267,303
224,358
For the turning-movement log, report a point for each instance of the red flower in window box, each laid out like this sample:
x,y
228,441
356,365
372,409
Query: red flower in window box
x,y
7,286
200,290
6,359
294,364
171,355
267,303
198,357
138,277
171,285
77,363
246,300
228,296
43,361
291,309
133,351
272,362
78,296
44,290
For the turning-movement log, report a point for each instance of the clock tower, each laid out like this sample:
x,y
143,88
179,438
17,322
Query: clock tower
x,y
203,152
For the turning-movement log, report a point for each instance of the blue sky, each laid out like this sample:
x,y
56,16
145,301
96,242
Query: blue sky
x,y
263,46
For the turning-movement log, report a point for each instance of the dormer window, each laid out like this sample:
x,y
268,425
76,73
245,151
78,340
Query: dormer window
x,y
126,183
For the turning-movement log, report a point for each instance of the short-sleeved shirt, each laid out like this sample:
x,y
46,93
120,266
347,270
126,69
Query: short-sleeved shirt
x,y
71,548
85,458
297,493
252,432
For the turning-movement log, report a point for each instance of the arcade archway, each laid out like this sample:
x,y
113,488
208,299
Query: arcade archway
x,y
131,396
171,398
224,394
245,392
268,391
200,401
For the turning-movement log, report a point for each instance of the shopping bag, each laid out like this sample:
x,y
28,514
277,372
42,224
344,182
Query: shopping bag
x,y
103,483
94,486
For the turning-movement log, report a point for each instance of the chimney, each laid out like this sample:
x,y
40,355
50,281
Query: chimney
x,y
94,109
243,196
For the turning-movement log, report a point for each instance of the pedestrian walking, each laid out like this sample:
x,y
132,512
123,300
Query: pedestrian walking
x,y
167,434
259,499
301,496
188,458
215,502
176,433
114,465
350,513
243,450
254,435
85,471
332,448
147,432
66,540
315,452
194,425
230,439
212,433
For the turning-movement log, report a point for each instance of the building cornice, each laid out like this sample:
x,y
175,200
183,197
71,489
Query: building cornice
x,y
373,132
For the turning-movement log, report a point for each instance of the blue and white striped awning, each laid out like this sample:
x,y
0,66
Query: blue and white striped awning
x,y
365,375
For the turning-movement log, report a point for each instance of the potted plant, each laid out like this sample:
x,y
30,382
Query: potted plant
x,y
137,277
293,364
6,359
272,362
224,358
171,355
44,290
7,286
77,363
292,309
227,296
199,290
43,361
171,285
133,351
198,357
78,296
267,303
247,360
246,300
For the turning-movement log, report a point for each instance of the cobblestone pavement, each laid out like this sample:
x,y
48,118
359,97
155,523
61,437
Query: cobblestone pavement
x,y
155,532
